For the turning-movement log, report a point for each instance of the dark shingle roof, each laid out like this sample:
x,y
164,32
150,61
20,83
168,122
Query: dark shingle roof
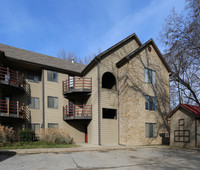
x,y
40,59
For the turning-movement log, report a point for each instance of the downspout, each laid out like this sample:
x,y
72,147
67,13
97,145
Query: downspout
x,y
99,103
43,101
195,132
118,106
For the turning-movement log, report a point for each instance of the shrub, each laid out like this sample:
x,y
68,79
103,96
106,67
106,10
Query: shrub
x,y
26,135
6,134
55,135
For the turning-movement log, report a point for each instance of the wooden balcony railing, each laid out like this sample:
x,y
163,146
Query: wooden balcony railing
x,y
78,84
77,112
13,78
10,108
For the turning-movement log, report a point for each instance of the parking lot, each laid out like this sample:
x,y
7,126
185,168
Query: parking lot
x,y
132,158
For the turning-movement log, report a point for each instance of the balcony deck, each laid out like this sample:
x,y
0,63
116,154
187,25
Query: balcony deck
x,y
14,110
77,112
77,85
12,78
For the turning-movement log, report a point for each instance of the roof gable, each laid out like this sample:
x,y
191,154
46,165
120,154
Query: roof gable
x,y
138,50
114,47
194,110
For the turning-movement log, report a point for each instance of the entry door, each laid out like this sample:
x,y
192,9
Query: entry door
x,y
86,135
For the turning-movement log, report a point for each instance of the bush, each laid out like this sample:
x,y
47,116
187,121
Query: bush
x,y
55,135
6,134
26,135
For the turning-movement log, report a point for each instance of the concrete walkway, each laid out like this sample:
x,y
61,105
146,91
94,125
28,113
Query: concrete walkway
x,y
79,148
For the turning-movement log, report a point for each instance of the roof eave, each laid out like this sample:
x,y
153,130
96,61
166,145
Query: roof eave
x,y
101,55
137,51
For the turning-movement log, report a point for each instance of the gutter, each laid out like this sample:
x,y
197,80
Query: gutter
x,y
99,104
43,101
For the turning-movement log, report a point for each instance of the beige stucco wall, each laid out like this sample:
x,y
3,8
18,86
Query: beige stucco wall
x,y
132,91
189,125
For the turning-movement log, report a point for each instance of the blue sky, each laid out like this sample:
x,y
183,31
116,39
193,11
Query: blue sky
x,y
80,26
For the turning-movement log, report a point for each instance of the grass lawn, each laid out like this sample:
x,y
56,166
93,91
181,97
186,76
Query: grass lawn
x,y
32,145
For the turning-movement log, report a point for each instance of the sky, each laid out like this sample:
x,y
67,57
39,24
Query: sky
x,y
83,27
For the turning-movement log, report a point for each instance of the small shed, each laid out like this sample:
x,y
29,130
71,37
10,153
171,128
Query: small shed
x,y
184,123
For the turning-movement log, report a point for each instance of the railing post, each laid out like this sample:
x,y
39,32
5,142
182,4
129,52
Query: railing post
x,y
84,110
17,78
63,86
63,112
91,83
24,111
74,113
83,83
8,104
68,86
74,84
18,109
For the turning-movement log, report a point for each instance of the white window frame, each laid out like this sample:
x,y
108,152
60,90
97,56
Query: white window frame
x,y
150,103
51,125
54,100
150,76
150,130
50,76
34,102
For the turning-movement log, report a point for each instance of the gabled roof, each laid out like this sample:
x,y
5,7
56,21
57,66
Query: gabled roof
x,y
114,47
194,110
40,59
138,50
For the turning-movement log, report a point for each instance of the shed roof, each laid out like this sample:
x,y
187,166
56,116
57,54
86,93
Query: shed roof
x,y
194,110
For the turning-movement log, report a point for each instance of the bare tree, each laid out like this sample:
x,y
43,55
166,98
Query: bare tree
x,y
70,55
181,38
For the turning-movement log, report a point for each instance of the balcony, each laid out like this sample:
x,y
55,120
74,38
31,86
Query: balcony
x,y
13,109
77,85
12,78
74,112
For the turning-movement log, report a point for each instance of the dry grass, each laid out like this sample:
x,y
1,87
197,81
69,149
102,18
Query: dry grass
x,y
6,134
55,135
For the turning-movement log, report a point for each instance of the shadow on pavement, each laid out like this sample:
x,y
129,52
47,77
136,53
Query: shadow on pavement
x,y
6,155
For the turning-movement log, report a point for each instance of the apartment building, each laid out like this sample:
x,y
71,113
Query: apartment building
x,y
120,97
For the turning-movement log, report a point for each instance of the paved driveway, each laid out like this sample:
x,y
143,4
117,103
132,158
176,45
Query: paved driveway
x,y
139,158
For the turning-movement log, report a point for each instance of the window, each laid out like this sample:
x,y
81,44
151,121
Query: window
x,y
35,127
150,103
33,77
109,113
34,102
108,81
181,135
151,130
51,125
150,76
52,76
52,102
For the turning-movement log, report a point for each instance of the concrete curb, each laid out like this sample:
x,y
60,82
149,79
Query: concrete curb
x,y
77,149
63,150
